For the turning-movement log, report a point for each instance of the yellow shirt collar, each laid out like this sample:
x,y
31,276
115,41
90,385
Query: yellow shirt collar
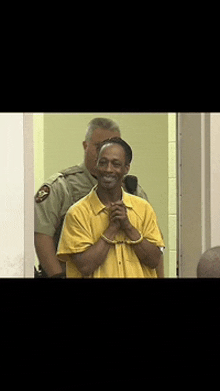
x,y
97,206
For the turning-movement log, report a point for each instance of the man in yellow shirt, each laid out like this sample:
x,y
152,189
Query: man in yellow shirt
x,y
110,233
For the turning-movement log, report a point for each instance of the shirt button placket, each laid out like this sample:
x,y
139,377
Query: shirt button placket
x,y
119,259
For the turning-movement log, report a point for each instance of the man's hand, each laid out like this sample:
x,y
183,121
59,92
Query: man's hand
x,y
118,215
146,252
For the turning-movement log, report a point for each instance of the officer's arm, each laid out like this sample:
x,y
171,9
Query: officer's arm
x,y
48,203
46,252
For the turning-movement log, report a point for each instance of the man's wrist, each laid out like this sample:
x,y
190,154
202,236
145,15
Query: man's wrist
x,y
132,233
110,232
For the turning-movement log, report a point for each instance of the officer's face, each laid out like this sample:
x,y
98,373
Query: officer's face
x,y
91,148
111,166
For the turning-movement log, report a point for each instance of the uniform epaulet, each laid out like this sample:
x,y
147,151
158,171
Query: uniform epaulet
x,y
53,178
71,170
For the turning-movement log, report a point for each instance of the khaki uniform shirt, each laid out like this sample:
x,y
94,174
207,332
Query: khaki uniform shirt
x,y
60,192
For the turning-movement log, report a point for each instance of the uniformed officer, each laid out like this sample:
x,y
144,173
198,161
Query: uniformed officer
x,y
65,188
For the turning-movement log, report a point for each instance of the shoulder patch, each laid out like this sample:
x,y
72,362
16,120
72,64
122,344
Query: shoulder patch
x,y
42,194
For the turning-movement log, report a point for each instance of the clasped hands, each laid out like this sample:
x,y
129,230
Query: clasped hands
x,y
118,216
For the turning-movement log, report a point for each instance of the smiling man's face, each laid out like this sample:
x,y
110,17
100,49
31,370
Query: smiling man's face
x,y
111,166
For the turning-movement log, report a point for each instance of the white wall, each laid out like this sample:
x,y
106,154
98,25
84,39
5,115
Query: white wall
x,y
215,178
28,140
11,195
38,136
16,195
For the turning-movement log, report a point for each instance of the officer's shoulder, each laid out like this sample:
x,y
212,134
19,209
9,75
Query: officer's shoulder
x,y
53,178
63,174
72,171
56,181
45,189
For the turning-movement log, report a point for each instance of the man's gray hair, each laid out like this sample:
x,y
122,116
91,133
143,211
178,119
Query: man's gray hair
x,y
103,123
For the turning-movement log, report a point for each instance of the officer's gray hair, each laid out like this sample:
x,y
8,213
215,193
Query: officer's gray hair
x,y
103,123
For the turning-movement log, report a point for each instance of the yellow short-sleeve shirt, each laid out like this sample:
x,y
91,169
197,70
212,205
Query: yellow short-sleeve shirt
x,y
86,220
